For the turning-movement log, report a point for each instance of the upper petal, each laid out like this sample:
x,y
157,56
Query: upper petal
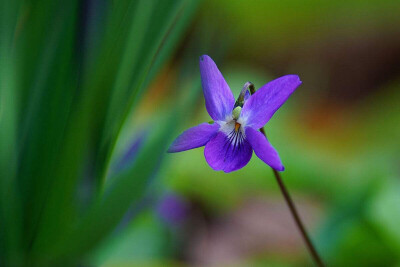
x,y
218,96
264,149
194,137
268,99
225,153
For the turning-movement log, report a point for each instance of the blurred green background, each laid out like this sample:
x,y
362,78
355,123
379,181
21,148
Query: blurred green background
x,y
119,73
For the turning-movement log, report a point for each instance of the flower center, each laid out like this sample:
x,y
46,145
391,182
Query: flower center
x,y
235,115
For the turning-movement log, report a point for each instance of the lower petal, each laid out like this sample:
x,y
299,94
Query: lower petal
x,y
221,153
264,149
194,137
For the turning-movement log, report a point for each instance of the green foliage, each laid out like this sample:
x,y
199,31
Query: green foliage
x,y
70,73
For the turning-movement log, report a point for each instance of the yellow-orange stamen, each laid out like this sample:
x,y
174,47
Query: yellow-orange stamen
x,y
237,126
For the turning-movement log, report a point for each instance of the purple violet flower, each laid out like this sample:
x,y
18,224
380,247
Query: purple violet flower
x,y
173,209
230,140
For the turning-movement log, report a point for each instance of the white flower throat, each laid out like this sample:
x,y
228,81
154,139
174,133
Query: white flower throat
x,y
233,128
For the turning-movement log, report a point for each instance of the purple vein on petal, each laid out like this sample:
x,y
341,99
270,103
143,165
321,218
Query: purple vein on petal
x,y
221,153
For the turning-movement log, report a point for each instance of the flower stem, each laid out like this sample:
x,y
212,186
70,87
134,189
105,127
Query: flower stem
x,y
317,259
296,217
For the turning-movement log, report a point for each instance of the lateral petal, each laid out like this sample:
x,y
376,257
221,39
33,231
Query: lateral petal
x,y
194,137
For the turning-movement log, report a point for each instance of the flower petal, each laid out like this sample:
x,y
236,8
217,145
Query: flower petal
x,y
218,96
222,154
247,95
264,149
268,99
194,137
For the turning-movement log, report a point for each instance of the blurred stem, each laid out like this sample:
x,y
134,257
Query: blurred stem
x,y
290,203
296,217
